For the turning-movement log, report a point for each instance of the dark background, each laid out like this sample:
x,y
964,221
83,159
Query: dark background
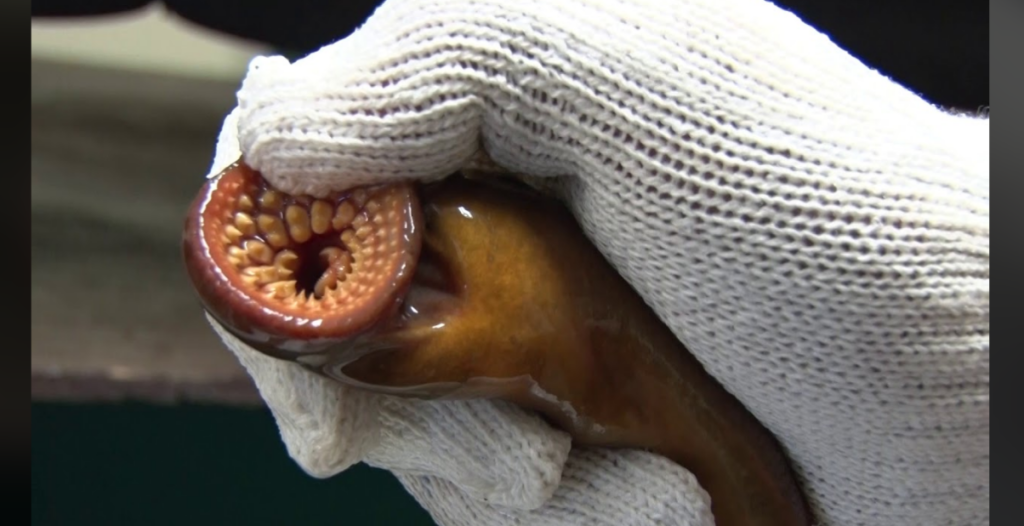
x,y
193,464
938,48
137,464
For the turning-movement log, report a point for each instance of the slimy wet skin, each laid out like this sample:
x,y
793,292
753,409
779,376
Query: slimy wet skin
x,y
464,289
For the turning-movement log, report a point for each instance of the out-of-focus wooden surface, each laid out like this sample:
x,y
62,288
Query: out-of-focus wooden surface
x,y
116,158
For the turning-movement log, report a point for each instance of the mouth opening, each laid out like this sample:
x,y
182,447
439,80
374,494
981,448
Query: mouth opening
x,y
298,266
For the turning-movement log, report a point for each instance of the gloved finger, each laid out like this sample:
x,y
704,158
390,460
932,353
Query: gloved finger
x,y
493,451
599,487
326,427
348,114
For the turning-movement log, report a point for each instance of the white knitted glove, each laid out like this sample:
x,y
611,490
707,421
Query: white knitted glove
x,y
814,233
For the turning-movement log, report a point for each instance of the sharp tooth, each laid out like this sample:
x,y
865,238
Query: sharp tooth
x,y
286,262
263,274
282,289
348,238
345,265
259,251
233,233
245,224
321,216
326,281
298,223
271,200
330,254
238,257
245,203
273,228
343,216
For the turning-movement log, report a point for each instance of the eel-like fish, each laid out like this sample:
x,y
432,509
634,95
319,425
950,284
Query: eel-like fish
x,y
468,289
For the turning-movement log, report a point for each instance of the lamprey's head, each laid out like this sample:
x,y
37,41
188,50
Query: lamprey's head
x,y
287,271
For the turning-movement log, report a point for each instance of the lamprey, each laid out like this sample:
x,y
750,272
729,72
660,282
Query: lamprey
x,y
470,289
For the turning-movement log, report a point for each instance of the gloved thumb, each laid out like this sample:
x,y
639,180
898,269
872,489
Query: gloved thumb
x,y
343,116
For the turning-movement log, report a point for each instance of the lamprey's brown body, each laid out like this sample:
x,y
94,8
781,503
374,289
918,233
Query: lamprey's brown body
x,y
461,289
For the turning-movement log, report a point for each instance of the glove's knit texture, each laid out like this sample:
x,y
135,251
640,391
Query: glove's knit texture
x,y
598,488
815,234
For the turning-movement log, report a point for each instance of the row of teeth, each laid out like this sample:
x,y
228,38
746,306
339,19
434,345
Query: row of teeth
x,y
268,265
298,223
275,275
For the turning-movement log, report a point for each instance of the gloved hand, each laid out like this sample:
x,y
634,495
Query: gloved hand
x,y
814,233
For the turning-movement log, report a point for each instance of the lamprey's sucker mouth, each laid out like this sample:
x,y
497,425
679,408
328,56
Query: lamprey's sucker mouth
x,y
474,289
276,267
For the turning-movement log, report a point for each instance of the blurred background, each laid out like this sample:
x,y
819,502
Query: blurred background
x,y
139,415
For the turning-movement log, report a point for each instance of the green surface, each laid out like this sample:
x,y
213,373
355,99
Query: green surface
x,y
136,464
